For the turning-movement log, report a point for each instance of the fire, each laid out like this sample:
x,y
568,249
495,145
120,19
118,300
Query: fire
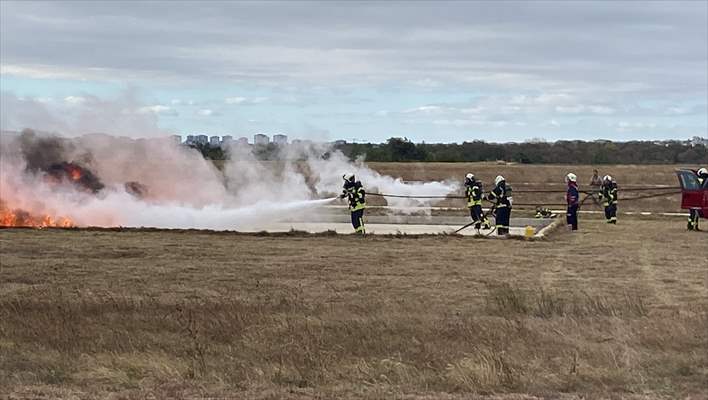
x,y
74,173
22,218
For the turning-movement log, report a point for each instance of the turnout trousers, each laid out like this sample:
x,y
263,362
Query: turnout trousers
x,y
693,217
571,217
478,217
358,221
502,216
611,213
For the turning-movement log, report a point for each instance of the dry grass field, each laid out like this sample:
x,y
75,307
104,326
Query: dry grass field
x,y
608,312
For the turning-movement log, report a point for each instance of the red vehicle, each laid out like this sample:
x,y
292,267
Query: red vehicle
x,y
693,194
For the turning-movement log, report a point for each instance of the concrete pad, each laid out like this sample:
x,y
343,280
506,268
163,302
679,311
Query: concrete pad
x,y
375,229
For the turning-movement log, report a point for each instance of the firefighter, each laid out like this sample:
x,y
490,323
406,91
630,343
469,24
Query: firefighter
x,y
501,197
608,195
694,214
572,198
355,194
474,193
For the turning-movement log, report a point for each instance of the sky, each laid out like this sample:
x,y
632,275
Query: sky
x,y
364,71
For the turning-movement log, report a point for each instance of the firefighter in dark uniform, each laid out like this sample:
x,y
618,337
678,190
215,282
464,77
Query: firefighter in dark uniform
x,y
474,193
501,198
355,194
694,214
572,197
608,195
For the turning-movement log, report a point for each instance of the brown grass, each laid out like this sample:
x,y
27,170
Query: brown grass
x,y
611,312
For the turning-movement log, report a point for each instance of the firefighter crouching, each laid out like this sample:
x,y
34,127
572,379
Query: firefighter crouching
x,y
474,193
608,195
355,194
694,214
501,197
572,198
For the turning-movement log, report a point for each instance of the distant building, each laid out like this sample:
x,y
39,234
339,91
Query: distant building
x,y
242,141
190,140
260,139
177,139
214,141
226,141
340,142
280,139
296,141
202,139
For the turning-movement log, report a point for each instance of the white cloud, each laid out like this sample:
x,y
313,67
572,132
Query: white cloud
x,y
239,100
576,109
75,99
207,112
179,102
429,109
158,109
603,110
235,100
624,126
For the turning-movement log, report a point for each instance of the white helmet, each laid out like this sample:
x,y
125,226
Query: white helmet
x,y
499,179
469,176
702,172
348,177
571,177
607,178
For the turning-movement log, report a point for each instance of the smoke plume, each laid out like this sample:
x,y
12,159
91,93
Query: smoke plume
x,y
104,180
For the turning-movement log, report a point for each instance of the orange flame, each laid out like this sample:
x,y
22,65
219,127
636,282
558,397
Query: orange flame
x,y
74,173
21,218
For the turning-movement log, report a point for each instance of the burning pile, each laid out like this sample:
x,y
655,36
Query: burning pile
x,y
42,156
102,180
22,218
71,172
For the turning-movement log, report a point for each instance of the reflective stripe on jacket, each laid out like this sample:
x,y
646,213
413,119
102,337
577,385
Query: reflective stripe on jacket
x,y
474,195
356,195
499,197
609,194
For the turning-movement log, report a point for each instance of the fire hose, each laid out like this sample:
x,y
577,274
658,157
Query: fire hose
x,y
588,195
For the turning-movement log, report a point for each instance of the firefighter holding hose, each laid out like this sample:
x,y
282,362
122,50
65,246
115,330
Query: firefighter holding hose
x,y
501,197
474,193
693,215
355,194
608,195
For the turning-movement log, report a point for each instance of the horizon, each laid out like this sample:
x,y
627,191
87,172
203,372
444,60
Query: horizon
x,y
438,72
699,140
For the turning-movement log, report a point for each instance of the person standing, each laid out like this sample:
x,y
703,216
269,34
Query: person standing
x,y
474,193
694,214
609,197
595,181
572,198
502,205
356,195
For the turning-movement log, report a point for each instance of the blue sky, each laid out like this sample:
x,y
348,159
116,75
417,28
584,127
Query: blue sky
x,y
430,71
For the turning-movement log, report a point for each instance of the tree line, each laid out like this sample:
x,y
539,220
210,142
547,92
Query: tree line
x,y
560,152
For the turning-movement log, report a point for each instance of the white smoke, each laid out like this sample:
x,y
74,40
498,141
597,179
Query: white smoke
x,y
183,190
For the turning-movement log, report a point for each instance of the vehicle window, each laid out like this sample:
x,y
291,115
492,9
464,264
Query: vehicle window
x,y
689,181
